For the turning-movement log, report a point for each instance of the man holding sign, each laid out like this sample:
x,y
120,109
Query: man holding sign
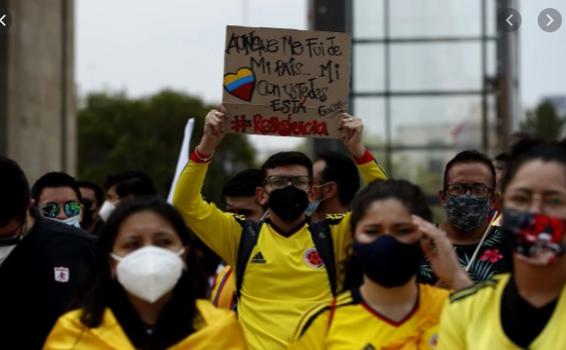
x,y
290,264
284,274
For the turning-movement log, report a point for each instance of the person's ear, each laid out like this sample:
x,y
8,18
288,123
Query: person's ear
x,y
331,190
261,196
442,198
313,193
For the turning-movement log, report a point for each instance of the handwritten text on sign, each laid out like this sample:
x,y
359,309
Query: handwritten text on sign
x,y
286,82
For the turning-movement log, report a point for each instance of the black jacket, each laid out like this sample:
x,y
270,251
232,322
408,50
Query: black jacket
x,y
39,279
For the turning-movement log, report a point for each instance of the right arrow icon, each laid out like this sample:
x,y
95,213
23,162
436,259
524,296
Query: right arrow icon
x,y
549,20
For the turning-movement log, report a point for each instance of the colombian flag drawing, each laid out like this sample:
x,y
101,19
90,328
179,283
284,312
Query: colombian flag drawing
x,y
241,84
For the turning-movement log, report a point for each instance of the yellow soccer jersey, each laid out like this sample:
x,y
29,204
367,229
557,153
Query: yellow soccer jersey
x,y
471,320
215,329
284,276
355,325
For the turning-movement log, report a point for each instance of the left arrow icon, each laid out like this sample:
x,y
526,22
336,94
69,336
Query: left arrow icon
x,y
509,20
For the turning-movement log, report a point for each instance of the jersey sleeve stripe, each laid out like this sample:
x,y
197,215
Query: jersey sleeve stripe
x,y
221,287
466,292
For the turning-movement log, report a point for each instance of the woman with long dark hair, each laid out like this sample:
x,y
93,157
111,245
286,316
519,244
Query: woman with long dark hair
x,y
386,307
525,309
145,289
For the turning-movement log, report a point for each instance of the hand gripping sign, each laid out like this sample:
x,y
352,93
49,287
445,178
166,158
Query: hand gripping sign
x,y
286,82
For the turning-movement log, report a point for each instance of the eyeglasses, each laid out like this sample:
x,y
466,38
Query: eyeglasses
x,y
277,182
476,190
52,209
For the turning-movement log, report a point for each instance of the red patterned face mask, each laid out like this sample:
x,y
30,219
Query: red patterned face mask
x,y
534,233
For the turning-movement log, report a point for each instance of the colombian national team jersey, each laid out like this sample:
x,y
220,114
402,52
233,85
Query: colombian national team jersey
x,y
355,325
471,320
284,276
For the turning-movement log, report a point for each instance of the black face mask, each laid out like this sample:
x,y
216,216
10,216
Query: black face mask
x,y
388,262
288,203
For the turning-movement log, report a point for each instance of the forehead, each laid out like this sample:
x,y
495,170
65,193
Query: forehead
x,y
57,195
288,170
318,168
144,223
386,210
473,172
539,176
87,192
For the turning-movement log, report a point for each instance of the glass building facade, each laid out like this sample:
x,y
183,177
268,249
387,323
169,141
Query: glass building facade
x,y
426,79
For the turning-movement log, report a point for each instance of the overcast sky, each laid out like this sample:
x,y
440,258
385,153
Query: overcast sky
x,y
142,46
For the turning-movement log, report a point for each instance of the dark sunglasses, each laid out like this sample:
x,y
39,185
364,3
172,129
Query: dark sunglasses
x,y
52,209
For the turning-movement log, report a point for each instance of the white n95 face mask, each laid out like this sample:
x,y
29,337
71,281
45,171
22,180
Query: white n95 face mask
x,y
106,210
149,272
73,221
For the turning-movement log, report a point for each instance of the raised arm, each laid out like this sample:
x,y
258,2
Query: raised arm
x,y
218,230
352,131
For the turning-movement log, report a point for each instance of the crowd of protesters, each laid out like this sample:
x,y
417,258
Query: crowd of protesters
x,y
330,254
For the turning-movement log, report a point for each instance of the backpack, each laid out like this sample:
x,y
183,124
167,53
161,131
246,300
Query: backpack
x,y
321,236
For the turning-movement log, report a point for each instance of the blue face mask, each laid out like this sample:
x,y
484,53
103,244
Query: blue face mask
x,y
467,212
312,207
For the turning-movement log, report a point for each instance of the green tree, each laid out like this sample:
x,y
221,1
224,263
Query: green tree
x,y
117,133
544,122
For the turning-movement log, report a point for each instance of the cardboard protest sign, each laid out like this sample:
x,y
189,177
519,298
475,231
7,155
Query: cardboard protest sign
x,y
286,82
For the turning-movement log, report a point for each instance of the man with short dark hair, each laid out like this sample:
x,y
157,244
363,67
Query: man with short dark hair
x,y
92,197
468,197
289,262
42,264
239,194
57,196
124,185
337,180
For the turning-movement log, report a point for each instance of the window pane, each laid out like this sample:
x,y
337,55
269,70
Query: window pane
x,y
433,18
422,167
491,6
368,68
371,110
368,19
430,121
491,49
439,66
